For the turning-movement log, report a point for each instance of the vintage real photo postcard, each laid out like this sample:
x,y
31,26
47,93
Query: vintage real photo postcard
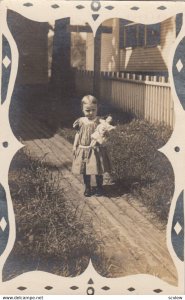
x,y
92,147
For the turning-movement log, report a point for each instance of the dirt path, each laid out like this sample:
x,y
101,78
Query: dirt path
x,y
132,243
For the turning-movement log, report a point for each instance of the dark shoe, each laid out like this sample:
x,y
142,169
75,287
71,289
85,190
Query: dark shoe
x,y
87,192
99,191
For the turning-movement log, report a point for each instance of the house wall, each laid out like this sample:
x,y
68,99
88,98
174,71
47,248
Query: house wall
x,y
109,57
90,52
168,36
140,59
32,45
115,59
150,58
106,52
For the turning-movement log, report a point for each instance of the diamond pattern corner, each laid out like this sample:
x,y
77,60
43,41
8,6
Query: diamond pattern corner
x,y
95,17
6,61
90,281
135,8
162,7
131,289
179,65
55,6
74,287
28,4
3,224
105,288
177,228
21,288
80,6
109,7
157,291
48,287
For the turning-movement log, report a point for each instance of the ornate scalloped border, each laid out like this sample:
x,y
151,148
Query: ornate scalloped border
x,y
94,12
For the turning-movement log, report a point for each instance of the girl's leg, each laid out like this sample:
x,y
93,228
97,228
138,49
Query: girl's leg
x,y
99,182
87,182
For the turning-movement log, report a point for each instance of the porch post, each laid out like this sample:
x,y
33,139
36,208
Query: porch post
x,y
116,45
60,73
97,63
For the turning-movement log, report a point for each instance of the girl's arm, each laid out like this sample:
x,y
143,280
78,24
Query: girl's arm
x,y
76,142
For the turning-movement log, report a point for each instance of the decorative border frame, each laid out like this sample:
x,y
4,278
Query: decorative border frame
x,y
94,12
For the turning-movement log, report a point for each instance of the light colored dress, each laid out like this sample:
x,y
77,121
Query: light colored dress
x,y
89,160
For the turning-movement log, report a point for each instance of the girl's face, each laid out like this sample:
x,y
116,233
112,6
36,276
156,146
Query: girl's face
x,y
90,111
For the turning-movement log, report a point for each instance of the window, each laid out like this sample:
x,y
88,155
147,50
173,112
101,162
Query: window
x,y
138,35
131,35
122,24
178,22
141,35
153,35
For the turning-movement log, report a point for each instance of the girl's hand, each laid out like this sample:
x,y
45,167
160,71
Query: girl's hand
x,y
93,143
74,149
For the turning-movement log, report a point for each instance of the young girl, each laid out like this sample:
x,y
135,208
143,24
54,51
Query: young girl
x,y
89,160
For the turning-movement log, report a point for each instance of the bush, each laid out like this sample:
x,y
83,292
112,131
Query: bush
x,y
133,149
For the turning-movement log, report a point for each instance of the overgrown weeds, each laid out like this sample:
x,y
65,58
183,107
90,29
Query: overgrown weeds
x,y
137,163
50,234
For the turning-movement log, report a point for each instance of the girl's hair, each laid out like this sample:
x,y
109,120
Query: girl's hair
x,y
88,99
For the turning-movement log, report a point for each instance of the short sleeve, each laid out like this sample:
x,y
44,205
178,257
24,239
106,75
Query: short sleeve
x,y
77,124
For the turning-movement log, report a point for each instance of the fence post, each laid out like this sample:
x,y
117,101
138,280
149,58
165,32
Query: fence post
x,y
155,78
163,79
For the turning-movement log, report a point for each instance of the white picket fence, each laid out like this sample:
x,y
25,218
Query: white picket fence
x,y
147,97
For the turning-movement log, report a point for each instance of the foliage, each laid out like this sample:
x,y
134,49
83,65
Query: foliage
x,y
78,51
136,161
48,227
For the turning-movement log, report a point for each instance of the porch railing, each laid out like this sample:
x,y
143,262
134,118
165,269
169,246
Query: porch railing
x,y
147,97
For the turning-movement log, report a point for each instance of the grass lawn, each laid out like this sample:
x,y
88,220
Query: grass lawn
x,y
50,236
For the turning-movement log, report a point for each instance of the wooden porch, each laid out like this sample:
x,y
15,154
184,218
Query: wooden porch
x,y
133,242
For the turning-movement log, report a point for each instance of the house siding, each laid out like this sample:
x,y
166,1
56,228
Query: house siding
x,y
139,59
150,58
106,52
90,52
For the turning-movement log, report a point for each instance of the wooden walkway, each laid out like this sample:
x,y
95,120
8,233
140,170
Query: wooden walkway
x,y
133,243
